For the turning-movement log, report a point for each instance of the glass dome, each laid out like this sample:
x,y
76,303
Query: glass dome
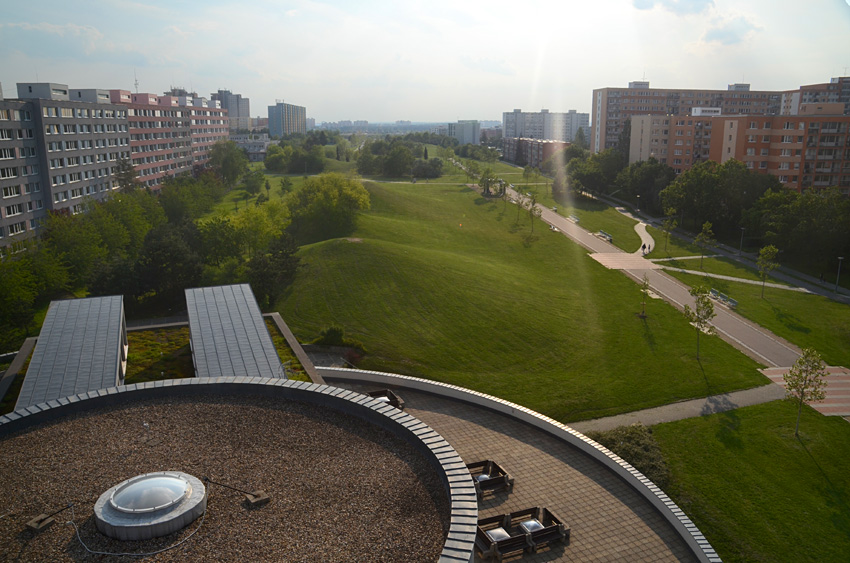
x,y
149,493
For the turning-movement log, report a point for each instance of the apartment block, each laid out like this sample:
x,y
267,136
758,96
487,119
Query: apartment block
x,y
238,109
613,106
160,136
23,196
467,132
809,150
285,119
544,124
61,146
530,152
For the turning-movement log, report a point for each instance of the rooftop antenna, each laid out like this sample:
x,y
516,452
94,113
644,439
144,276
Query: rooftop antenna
x,y
136,82
644,74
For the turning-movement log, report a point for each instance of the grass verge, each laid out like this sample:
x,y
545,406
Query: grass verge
x,y
757,492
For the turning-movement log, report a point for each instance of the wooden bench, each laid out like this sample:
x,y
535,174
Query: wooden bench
x,y
387,396
524,530
487,475
541,525
606,236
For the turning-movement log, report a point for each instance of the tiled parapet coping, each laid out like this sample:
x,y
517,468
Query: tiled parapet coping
x,y
683,525
458,484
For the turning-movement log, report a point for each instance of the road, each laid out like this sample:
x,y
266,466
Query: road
x,y
753,340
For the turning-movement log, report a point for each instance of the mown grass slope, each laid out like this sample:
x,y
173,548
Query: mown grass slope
x,y
440,283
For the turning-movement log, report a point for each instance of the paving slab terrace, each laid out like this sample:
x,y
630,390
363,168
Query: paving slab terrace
x,y
609,521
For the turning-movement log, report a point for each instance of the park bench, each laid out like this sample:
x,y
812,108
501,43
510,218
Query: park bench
x,y
606,236
487,475
723,298
524,530
573,218
387,396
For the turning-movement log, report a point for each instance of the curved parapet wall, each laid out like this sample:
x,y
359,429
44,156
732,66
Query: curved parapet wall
x,y
679,521
456,479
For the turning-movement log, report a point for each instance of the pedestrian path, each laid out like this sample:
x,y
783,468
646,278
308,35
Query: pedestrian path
x,y
685,409
837,401
734,279
646,240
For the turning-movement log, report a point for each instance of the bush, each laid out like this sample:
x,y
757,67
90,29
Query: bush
x,y
636,445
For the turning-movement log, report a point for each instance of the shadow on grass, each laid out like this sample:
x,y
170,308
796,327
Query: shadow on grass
x,y
790,321
730,424
529,239
481,200
648,336
836,499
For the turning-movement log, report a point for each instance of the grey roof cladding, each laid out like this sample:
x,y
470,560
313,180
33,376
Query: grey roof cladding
x,y
79,349
228,334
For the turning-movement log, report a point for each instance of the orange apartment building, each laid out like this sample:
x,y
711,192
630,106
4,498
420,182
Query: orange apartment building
x,y
809,150
611,107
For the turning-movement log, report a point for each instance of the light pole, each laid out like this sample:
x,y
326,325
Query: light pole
x,y
838,275
741,248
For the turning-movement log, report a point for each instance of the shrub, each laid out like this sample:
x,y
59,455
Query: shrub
x,y
636,445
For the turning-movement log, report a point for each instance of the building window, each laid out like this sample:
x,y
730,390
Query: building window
x,y
11,191
17,228
9,172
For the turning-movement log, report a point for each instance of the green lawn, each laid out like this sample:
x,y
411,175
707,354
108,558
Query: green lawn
x,y
440,283
804,319
758,493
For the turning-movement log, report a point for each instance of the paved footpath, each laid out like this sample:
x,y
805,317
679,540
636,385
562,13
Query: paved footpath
x,y
753,340
686,409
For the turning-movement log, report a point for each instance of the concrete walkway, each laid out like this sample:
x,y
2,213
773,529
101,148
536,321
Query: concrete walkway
x,y
748,337
739,280
645,239
686,409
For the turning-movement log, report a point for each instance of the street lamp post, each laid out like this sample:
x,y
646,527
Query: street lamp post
x,y
741,248
837,276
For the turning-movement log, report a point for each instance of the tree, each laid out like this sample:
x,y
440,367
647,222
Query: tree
x,y
398,162
229,160
766,263
702,313
425,154
254,181
269,273
805,381
487,181
277,158
126,175
325,207
669,224
77,243
526,173
580,140
168,265
17,293
704,239
533,210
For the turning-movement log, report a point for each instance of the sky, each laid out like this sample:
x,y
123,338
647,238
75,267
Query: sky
x,y
431,61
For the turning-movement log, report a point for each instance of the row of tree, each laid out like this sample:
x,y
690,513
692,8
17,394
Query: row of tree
x,y
149,248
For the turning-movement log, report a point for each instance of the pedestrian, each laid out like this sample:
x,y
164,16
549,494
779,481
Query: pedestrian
x,y
649,249
643,248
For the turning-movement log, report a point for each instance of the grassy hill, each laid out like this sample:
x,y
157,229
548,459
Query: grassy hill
x,y
440,283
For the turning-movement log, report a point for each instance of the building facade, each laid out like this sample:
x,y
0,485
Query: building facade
x,y
809,150
60,147
238,109
530,152
544,124
613,106
285,119
467,132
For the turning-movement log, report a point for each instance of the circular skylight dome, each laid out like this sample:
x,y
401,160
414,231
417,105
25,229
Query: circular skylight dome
x,y
149,493
150,505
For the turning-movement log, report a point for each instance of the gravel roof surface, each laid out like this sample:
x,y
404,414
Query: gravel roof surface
x,y
341,489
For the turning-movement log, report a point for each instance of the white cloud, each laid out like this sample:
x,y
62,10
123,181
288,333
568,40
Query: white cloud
x,y
680,7
731,31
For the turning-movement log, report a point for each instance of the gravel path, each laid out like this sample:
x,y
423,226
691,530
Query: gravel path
x,y
341,489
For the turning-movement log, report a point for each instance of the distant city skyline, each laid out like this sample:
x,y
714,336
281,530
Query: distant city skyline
x,y
423,62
